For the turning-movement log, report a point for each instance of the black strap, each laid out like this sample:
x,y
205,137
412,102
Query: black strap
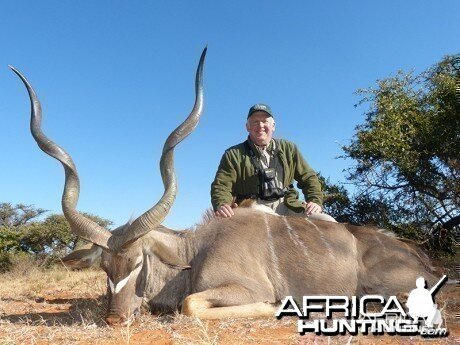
x,y
258,167
252,157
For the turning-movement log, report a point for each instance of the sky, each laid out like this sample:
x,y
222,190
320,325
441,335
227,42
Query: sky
x,y
115,77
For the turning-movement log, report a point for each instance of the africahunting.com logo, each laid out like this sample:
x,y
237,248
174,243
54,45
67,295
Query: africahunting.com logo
x,y
388,316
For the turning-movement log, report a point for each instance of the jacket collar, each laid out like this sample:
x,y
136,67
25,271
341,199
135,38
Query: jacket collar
x,y
256,149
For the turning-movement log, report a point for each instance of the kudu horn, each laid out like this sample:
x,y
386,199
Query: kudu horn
x,y
85,227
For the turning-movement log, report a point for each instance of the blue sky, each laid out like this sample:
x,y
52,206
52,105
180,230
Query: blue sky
x,y
115,77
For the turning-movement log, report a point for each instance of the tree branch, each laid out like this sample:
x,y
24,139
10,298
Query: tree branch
x,y
451,223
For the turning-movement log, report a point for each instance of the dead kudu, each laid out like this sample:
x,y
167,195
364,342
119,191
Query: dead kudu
x,y
232,267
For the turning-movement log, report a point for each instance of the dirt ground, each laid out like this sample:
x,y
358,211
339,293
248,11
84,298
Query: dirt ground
x,y
62,307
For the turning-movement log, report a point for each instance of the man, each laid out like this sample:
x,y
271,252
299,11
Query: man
x,y
420,304
263,169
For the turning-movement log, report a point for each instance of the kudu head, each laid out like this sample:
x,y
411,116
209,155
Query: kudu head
x,y
122,256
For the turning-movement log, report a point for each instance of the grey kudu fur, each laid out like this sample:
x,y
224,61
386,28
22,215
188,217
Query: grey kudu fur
x,y
228,267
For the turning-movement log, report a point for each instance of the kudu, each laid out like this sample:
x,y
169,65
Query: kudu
x,y
228,267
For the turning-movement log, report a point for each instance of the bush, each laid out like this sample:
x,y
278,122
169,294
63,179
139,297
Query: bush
x,y
44,240
5,261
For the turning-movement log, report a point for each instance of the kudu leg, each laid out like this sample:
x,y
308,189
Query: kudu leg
x,y
229,301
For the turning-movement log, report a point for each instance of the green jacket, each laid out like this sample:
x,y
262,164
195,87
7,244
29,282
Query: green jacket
x,y
236,176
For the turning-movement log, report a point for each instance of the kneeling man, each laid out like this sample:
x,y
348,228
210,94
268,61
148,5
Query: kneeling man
x,y
263,169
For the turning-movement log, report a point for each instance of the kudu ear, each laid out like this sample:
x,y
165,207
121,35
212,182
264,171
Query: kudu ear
x,y
167,256
82,258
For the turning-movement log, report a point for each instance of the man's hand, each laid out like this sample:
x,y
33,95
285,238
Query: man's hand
x,y
311,207
226,210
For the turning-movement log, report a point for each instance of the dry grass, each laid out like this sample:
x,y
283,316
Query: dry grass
x,y
57,306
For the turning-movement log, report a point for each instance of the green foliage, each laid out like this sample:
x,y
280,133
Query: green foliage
x,y
407,157
22,232
52,235
5,261
9,239
379,210
360,209
14,216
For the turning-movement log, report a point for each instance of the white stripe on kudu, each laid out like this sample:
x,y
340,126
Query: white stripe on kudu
x,y
116,288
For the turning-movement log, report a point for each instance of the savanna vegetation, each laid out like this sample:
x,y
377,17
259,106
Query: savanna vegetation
x,y
406,158
26,232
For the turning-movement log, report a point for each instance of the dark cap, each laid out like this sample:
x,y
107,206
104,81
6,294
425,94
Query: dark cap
x,y
260,107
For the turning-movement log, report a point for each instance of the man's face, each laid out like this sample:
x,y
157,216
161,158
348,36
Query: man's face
x,y
260,127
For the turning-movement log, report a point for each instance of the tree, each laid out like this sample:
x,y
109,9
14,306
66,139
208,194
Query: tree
x,y
407,152
52,235
359,209
14,216
377,210
22,232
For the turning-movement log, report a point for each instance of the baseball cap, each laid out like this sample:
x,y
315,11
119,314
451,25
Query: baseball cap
x,y
260,107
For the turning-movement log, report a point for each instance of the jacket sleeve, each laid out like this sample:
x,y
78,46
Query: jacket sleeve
x,y
222,186
307,179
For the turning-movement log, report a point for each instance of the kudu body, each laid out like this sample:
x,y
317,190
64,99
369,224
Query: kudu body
x,y
228,267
